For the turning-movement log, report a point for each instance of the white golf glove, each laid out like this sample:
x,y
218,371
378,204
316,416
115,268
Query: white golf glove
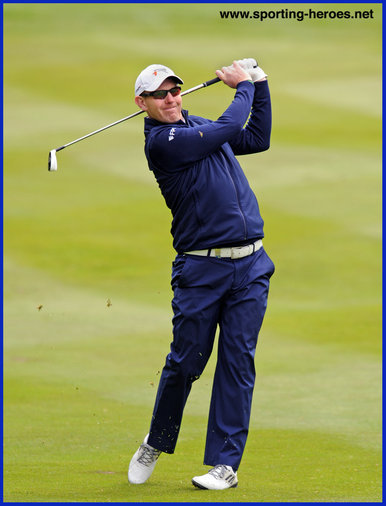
x,y
250,66
256,74
247,63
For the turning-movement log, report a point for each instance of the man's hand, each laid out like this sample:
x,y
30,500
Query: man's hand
x,y
250,65
247,63
233,75
257,74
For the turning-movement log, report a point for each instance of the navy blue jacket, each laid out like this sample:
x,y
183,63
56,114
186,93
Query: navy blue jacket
x,y
199,176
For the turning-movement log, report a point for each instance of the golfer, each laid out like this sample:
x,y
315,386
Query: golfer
x,y
220,276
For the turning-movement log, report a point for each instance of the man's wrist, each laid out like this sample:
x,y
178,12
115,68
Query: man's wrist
x,y
246,81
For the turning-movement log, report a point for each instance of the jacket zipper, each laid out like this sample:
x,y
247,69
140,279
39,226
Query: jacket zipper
x,y
239,206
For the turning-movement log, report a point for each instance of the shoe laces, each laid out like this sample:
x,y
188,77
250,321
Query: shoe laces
x,y
148,455
218,472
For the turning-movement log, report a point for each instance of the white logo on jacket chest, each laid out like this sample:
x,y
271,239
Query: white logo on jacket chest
x,y
171,134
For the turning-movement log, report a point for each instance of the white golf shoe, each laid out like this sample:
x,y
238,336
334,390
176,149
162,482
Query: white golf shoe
x,y
143,463
218,478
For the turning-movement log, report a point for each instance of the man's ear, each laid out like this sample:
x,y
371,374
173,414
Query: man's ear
x,y
141,103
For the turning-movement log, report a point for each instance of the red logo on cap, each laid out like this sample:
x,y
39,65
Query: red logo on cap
x,y
155,73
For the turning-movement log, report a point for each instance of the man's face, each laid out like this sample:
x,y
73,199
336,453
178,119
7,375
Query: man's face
x,y
167,110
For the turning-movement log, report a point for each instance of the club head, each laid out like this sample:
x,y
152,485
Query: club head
x,y
52,162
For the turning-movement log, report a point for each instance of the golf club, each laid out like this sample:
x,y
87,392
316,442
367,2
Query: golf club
x,y
52,161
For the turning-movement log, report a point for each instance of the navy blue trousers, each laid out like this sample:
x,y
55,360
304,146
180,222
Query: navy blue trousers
x,y
208,292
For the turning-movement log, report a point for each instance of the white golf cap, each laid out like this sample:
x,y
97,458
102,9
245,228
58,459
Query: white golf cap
x,y
152,77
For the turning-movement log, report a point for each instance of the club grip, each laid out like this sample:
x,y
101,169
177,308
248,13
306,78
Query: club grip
x,y
217,79
211,81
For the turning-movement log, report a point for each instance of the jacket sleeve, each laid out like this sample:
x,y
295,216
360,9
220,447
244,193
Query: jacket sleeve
x,y
255,137
176,146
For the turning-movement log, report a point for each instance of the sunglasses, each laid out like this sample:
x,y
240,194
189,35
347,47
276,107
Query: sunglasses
x,y
161,94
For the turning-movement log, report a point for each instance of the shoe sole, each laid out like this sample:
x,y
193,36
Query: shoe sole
x,y
198,485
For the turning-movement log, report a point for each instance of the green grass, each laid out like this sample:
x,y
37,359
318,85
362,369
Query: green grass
x,y
81,376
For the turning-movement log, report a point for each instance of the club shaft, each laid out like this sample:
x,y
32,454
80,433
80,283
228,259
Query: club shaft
x,y
202,85
99,130
198,87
